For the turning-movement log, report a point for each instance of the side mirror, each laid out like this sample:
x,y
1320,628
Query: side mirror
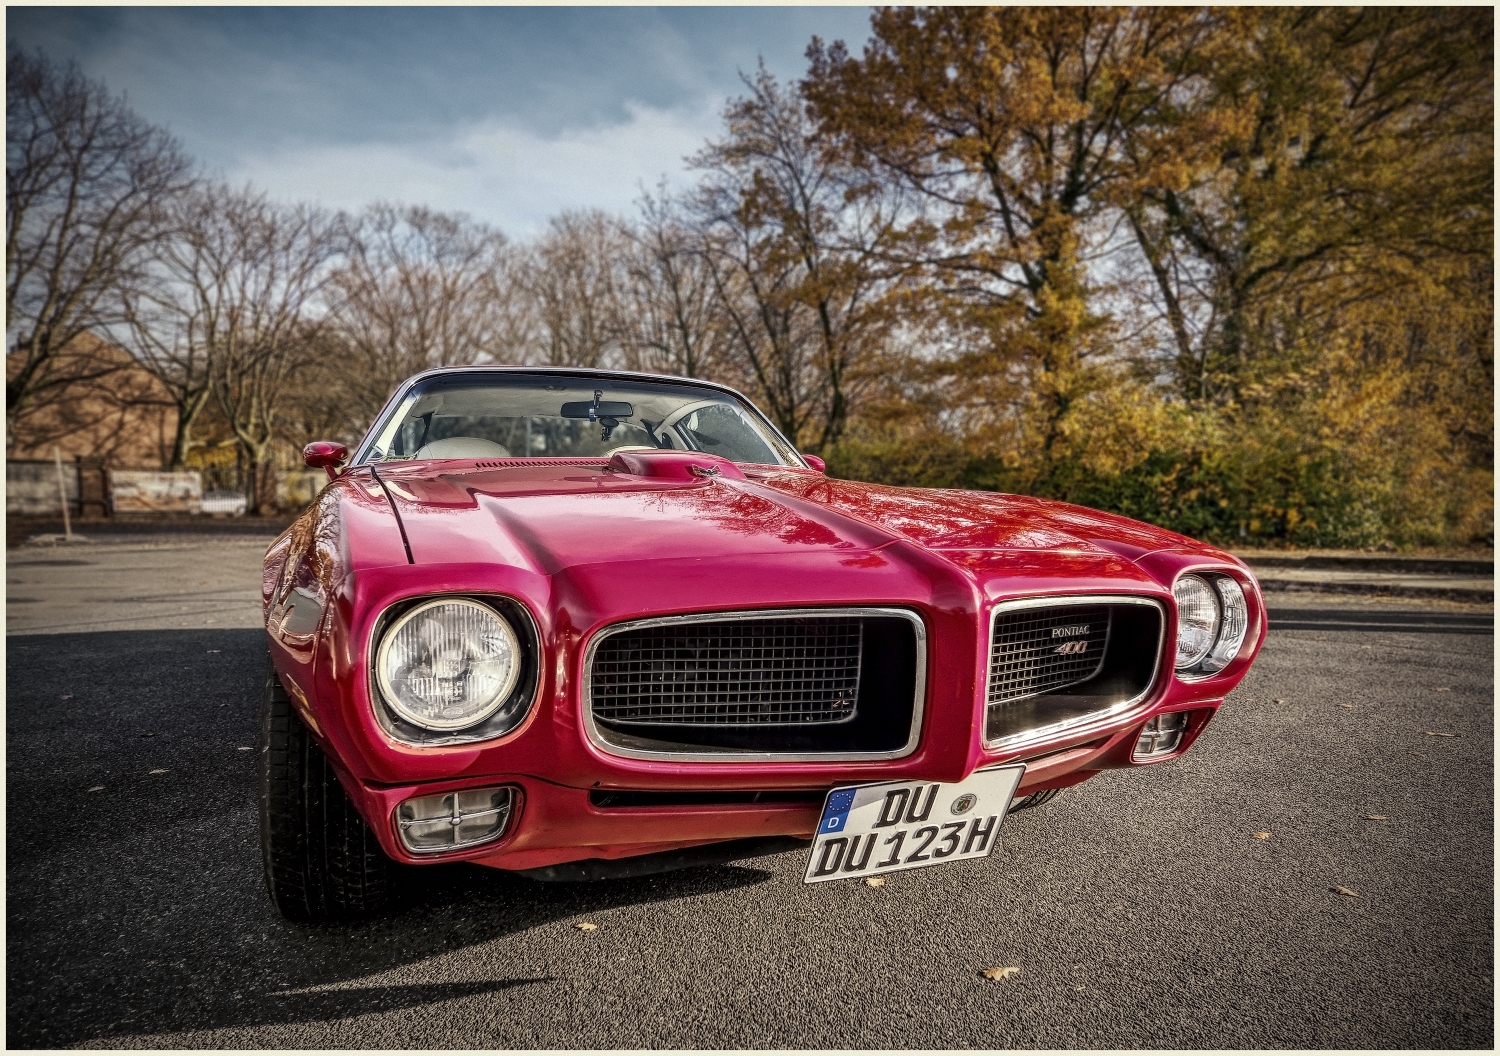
x,y
816,463
325,455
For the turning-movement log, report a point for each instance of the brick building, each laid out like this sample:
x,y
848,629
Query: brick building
x,y
108,410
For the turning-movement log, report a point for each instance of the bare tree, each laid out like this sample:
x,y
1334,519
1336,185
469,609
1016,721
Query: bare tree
x,y
422,289
770,333
573,281
798,242
227,312
87,183
172,309
279,261
323,403
671,318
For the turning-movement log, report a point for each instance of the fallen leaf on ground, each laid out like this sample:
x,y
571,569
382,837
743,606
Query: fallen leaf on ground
x,y
875,881
1262,835
1442,689
1279,700
1377,817
1434,733
158,771
1349,706
245,749
97,788
1344,891
1001,973
213,650
66,696
586,926
1320,638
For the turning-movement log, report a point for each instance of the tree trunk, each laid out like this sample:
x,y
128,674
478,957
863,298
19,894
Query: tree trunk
x,y
187,414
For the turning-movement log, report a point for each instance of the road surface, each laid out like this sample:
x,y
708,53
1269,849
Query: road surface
x,y
1142,909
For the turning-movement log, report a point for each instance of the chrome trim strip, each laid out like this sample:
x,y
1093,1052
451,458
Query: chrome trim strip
x,y
1100,717
455,819
461,817
596,738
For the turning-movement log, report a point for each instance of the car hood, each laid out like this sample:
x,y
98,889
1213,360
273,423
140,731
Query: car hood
x,y
941,519
551,517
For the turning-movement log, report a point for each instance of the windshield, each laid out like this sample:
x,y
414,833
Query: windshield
x,y
557,416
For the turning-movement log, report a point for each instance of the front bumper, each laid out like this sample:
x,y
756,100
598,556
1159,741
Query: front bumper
x,y
551,823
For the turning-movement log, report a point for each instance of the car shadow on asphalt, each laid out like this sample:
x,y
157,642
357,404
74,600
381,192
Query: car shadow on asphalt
x,y
135,899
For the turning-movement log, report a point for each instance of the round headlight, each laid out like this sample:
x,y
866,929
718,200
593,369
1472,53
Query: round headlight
x,y
448,664
1197,620
1236,622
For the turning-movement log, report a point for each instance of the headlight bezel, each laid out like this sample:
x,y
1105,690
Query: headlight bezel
x,y
1213,663
505,719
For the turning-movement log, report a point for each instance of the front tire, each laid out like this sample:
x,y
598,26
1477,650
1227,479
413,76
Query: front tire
x,y
321,860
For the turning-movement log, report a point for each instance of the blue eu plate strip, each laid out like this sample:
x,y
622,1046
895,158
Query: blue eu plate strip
x,y
837,811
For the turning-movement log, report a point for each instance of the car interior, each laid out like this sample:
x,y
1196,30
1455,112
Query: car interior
x,y
550,417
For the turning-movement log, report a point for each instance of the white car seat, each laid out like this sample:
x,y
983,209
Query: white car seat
x,y
462,447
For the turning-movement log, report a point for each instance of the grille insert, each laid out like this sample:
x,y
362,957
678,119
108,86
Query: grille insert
x,y
1037,651
784,671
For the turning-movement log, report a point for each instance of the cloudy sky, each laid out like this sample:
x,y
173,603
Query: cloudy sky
x,y
509,114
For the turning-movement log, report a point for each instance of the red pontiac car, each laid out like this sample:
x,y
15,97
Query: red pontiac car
x,y
584,624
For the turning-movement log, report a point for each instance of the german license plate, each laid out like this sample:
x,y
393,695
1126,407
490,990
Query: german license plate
x,y
870,829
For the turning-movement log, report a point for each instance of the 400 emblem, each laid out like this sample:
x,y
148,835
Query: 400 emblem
x,y
1070,648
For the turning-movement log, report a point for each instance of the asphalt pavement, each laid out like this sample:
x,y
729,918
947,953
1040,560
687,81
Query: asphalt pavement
x,y
1193,904
145,582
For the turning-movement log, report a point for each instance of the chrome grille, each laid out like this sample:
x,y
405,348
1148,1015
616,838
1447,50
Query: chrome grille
x,y
1038,650
783,671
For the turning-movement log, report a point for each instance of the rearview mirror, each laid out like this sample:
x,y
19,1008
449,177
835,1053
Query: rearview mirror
x,y
814,462
602,409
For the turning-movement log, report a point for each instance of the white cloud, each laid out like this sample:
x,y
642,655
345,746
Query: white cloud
x,y
500,173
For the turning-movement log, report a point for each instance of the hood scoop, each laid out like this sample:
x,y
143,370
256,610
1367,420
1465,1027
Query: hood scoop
x,y
674,465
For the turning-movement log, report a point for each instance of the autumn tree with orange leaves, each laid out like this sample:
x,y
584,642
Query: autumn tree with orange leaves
x,y
1025,130
1189,261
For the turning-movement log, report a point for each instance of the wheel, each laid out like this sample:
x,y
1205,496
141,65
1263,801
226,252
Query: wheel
x,y
1036,799
321,860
